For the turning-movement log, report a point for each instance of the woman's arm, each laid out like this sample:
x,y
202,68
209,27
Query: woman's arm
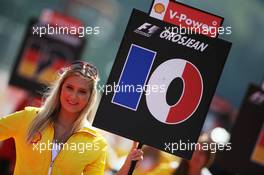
x,y
97,167
10,124
134,155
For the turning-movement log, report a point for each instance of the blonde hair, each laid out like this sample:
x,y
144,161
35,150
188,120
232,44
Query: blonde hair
x,y
51,106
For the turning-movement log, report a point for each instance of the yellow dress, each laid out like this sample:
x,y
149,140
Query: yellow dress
x,y
84,152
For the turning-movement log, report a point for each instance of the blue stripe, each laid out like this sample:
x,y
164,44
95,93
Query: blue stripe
x,y
133,77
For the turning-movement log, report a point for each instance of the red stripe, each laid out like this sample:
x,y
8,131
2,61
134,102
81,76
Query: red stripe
x,y
59,63
190,98
31,55
261,141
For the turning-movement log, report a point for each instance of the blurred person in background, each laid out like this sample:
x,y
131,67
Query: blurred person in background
x,y
41,134
156,162
201,159
152,158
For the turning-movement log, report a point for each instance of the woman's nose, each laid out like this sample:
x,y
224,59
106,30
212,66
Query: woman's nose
x,y
74,95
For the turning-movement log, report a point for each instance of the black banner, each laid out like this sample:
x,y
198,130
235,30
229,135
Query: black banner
x,y
247,148
163,82
41,56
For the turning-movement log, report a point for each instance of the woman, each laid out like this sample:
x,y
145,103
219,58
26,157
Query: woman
x,y
57,138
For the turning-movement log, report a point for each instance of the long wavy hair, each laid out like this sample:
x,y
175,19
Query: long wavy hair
x,y
51,106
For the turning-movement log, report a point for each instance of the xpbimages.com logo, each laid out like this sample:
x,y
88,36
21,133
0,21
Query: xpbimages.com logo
x,y
79,147
189,146
146,29
80,31
130,88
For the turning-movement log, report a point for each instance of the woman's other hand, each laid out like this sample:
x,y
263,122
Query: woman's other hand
x,y
134,155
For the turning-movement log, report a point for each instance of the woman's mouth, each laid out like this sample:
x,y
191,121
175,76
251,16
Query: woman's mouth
x,y
72,103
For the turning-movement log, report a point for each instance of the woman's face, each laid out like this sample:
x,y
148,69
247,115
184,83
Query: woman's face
x,y
75,93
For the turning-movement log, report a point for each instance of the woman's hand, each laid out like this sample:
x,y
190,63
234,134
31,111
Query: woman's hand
x,y
134,155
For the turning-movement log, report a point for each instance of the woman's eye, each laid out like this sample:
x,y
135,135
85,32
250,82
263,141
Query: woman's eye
x,y
69,87
83,92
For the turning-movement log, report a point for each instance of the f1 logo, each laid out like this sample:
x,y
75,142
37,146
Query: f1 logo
x,y
135,72
146,29
151,28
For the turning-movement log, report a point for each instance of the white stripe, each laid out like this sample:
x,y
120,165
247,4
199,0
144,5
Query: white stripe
x,y
163,76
